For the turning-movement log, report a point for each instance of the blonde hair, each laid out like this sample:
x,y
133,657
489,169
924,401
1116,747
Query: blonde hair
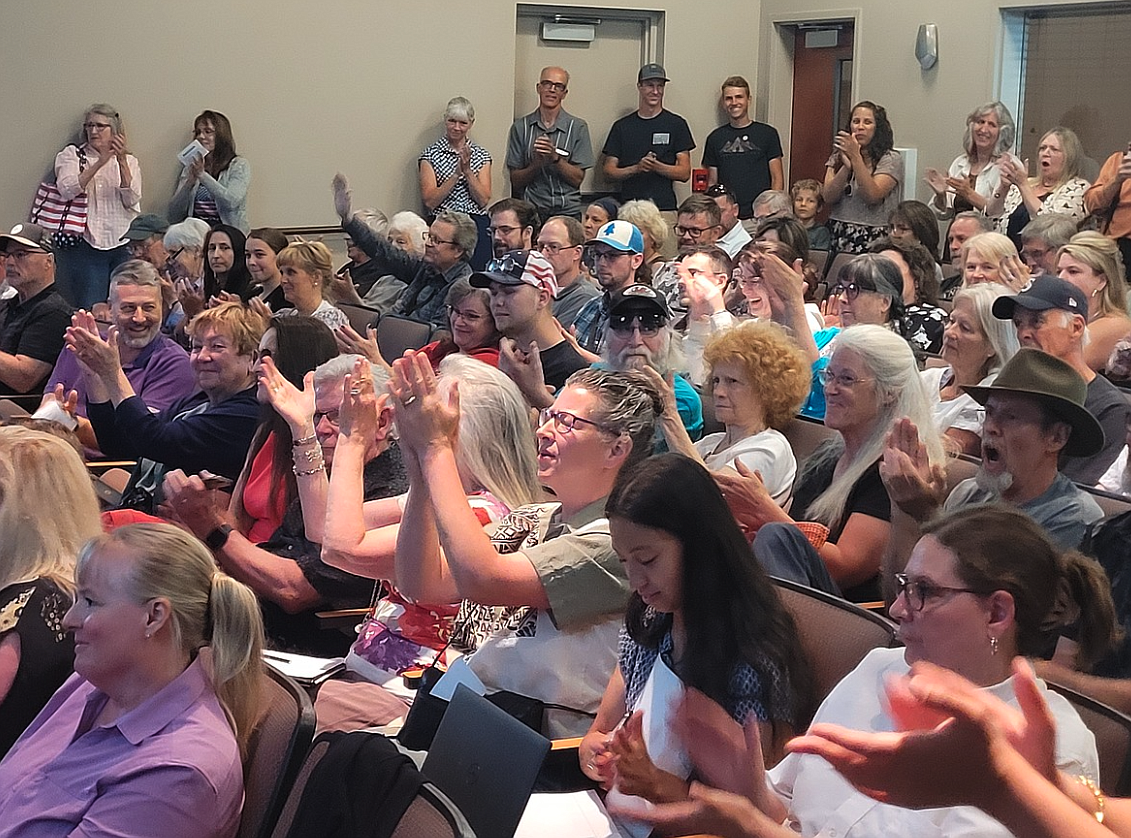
x,y
242,325
776,367
47,507
209,608
899,392
313,257
496,445
645,215
1101,254
992,246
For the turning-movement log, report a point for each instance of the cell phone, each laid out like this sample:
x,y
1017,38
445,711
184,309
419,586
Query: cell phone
x,y
215,481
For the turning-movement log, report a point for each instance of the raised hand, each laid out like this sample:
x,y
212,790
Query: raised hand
x,y
352,343
343,197
746,496
294,405
914,484
98,356
425,415
524,367
936,180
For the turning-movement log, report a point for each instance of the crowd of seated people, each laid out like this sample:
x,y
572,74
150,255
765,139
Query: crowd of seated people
x,y
526,489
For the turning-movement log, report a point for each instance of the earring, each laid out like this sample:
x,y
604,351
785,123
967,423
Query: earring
x,y
993,645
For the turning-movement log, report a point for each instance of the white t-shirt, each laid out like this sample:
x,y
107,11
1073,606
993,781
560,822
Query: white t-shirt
x,y
824,803
767,452
961,412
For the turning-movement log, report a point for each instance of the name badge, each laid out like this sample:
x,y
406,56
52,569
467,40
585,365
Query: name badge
x,y
661,138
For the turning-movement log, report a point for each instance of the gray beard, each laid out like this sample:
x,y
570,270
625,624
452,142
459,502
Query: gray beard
x,y
997,485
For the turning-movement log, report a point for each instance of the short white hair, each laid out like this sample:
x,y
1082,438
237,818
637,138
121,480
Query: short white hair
x,y
189,233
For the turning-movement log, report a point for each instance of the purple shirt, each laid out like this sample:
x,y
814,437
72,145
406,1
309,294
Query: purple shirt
x,y
169,767
161,375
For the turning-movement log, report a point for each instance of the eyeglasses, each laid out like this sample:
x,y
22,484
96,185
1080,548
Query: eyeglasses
x,y
899,228
331,416
918,592
564,422
553,248
607,255
717,190
96,126
692,232
430,239
508,263
849,292
471,317
23,255
506,230
556,86
842,379
648,324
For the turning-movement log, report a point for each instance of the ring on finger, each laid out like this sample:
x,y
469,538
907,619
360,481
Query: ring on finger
x,y
408,401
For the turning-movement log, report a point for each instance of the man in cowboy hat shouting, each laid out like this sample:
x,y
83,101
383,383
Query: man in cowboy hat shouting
x,y
1034,412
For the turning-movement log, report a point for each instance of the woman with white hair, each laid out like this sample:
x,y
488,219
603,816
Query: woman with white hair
x,y
975,346
100,169
455,173
870,381
975,174
185,266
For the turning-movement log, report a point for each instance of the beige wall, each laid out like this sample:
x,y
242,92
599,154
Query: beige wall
x,y
359,85
927,108
311,88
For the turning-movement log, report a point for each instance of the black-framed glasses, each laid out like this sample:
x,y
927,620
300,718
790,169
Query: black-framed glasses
x,y
505,229
430,239
556,86
649,324
849,292
608,255
564,422
331,416
96,126
693,232
918,592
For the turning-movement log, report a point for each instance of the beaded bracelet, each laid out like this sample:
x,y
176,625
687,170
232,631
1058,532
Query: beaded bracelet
x,y
308,472
1090,784
309,455
306,440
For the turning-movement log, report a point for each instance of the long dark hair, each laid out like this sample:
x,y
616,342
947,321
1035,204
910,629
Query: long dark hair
x,y
224,151
883,140
301,345
730,607
238,281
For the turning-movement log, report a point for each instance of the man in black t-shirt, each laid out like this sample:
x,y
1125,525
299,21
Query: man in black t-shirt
x,y
649,149
744,154
35,320
533,351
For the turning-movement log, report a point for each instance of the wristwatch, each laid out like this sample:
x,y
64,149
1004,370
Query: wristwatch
x,y
218,537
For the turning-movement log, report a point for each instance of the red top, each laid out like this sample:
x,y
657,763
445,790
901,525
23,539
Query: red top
x,y
486,354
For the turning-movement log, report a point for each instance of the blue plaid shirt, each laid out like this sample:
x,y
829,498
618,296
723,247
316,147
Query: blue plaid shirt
x,y
590,324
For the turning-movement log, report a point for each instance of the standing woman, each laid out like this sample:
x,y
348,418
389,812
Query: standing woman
x,y
263,246
862,179
225,264
214,187
306,268
111,179
455,173
1057,187
975,175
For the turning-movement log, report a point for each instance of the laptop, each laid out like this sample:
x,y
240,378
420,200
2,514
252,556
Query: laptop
x,y
486,762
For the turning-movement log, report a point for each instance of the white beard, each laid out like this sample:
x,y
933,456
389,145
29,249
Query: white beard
x,y
997,484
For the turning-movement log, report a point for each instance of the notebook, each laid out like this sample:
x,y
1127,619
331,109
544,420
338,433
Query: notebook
x,y
486,762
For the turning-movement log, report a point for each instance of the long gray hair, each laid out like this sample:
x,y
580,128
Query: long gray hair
x,y
899,392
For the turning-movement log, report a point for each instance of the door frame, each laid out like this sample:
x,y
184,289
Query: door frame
x,y
652,23
775,65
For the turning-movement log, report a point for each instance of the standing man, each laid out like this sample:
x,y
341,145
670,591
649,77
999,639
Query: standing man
x,y
744,154
560,240
549,150
649,149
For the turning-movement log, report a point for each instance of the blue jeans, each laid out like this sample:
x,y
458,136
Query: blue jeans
x,y
784,551
83,273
